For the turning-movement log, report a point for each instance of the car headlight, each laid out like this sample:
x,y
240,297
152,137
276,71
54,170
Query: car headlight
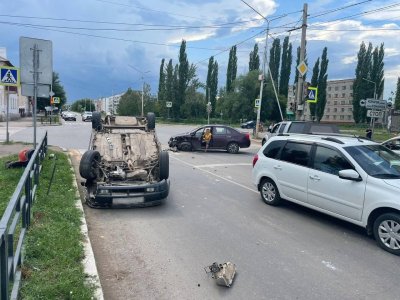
x,y
103,192
150,189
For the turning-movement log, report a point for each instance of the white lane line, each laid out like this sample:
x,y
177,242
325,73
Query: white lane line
x,y
205,171
222,165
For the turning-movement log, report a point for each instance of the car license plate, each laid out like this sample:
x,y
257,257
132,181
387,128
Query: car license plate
x,y
128,201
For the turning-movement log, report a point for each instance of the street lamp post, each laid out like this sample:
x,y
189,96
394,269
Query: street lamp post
x,y
142,77
373,118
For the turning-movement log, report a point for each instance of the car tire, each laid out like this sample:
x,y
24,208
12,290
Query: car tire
x,y
89,165
386,231
232,148
96,121
151,121
185,146
164,165
269,192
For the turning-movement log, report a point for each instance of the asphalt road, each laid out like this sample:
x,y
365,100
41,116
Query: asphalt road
x,y
214,213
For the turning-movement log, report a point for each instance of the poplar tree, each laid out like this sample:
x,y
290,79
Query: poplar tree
x,y
169,84
322,84
314,83
274,60
232,69
286,66
254,62
183,80
209,74
161,83
397,99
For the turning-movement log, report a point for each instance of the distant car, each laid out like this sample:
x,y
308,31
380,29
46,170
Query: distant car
x,y
69,116
249,124
223,138
87,116
393,144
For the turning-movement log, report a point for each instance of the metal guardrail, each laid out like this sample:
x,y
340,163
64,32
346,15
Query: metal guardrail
x,y
15,223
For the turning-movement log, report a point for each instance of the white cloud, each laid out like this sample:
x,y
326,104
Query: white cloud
x,y
349,59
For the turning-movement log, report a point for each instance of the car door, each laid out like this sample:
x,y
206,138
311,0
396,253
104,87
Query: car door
x,y
220,137
329,192
291,171
196,138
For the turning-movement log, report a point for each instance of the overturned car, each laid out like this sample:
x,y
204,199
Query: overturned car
x,y
125,163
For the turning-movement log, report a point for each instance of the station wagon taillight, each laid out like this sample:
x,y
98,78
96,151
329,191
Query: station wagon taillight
x,y
255,158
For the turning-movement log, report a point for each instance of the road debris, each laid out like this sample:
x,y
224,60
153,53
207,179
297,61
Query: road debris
x,y
222,273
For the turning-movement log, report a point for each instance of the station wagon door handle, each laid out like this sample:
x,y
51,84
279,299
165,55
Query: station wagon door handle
x,y
278,167
315,177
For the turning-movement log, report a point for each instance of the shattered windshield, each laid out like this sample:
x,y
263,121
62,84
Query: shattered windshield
x,y
376,160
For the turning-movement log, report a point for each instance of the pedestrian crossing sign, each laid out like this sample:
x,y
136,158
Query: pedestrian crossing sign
x,y
312,95
9,76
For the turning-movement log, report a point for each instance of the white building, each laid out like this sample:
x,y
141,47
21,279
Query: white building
x,y
108,104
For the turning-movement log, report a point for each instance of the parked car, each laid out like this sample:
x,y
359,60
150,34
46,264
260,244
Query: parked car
x,y
86,116
350,178
248,124
299,127
223,138
393,144
125,163
69,116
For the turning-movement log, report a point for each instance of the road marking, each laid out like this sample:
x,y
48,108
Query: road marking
x,y
329,265
205,171
222,165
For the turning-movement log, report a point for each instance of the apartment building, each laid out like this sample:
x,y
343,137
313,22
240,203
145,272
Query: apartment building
x,y
339,102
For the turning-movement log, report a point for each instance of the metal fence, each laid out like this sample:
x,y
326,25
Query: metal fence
x,y
15,223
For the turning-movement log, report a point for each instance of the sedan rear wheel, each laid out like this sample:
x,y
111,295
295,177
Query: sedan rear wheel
x,y
387,232
233,148
269,192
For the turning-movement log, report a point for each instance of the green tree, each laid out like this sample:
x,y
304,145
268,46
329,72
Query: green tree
x,y
314,83
208,80
183,79
169,87
81,105
362,88
286,67
232,69
214,87
254,61
162,83
397,98
322,84
58,90
175,84
377,71
130,103
274,60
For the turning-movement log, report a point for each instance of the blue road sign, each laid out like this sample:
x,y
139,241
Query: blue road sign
x,y
312,94
9,76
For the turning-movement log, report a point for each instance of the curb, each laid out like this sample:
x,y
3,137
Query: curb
x,y
89,262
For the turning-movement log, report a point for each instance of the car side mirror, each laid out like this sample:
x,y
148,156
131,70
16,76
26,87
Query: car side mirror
x,y
350,174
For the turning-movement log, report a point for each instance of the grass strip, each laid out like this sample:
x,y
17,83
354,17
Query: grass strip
x,y
52,267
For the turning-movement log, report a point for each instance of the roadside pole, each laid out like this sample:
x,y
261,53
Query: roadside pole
x,y
6,94
300,81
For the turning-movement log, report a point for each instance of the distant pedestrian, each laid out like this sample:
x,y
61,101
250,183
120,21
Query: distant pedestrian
x,y
368,133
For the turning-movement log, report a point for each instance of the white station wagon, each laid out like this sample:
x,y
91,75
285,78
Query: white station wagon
x,y
350,178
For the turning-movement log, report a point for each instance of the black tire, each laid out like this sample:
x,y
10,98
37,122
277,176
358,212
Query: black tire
x,y
269,192
233,148
164,165
89,165
387,232
96,121
151,121
185,146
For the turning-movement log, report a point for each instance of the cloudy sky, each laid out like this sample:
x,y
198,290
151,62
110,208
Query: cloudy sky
x,y
101,47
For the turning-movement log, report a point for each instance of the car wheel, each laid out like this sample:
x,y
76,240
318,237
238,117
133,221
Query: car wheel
x,y
89,164
387,232
96,121
269,192
164,165
185,146
233,148
151,121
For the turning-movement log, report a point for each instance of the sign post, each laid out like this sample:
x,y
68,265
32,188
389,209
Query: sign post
x,y
209,109
169,105
9,76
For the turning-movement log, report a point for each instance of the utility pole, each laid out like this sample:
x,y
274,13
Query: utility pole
x,y
262,78
300,81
